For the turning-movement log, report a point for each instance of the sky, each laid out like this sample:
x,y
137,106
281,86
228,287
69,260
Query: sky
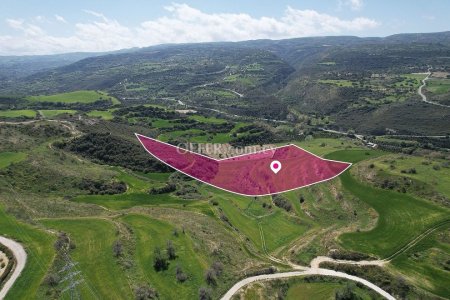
x,y
56,26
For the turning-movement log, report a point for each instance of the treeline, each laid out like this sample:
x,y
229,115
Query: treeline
x,y
254,135
108,149
142,111
186,124
102,188
282,202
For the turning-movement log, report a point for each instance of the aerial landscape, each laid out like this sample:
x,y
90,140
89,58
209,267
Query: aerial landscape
x,y
200,150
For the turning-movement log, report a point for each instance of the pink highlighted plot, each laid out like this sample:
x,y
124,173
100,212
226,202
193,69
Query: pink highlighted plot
x,y
256,174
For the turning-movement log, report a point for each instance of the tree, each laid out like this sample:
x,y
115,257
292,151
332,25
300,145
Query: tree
x,y
159,260
171,250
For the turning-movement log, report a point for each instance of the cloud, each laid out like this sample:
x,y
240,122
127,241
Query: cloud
x,y
353,4
60,19
181,24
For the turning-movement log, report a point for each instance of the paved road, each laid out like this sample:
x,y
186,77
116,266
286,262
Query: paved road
x,y
21,259
311,271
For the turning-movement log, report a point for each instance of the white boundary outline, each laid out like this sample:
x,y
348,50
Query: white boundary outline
x,y
217,160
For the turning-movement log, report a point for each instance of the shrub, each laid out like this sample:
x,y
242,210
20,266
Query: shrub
x,y
145,292
52,279
159,260
117,248
171,250
282,203
204,293
180,275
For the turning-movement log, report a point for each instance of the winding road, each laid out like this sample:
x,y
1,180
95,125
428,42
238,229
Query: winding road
x,y
21,259
316,270
424,97
309,272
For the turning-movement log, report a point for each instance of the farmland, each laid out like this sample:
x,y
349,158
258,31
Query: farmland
x,y
25,113
74,97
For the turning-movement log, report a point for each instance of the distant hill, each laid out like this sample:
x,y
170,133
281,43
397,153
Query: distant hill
x,y
256,78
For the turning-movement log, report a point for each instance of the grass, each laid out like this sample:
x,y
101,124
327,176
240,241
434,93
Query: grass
x,y
438,86
210,120
319,291
27,113
103,278
39,247
151,233
51,113
401,217
322,146
277,227
124,201
104,114
82,96
438,179
425,262
7,158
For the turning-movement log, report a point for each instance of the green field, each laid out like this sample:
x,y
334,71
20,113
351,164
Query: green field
x,y
438,86
151,233
39,247
123,201
24,113
427,263
7,158
104,114
275,227
439,179
137,193
51,113
74,97
322,146
103,278
204,119
401,217
320,291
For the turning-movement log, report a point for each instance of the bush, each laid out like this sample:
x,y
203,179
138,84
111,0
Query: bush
x,y
145,292
210,277
171,250
204,294
117,248
52,280
160,262
168,188
282,203
347,293
180,275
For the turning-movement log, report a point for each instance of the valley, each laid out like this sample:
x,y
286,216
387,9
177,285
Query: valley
x,y
98,218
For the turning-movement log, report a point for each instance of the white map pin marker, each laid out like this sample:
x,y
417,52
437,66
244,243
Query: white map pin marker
x,y
275,166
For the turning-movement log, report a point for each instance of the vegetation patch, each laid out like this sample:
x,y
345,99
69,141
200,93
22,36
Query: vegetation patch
x,y
83,96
